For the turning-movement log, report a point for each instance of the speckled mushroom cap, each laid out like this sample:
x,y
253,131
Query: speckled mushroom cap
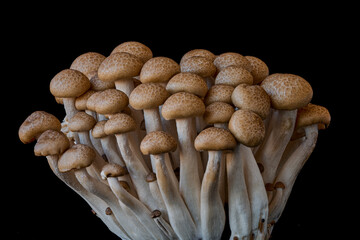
x,y
198,52
230,58
69,83
148,96
158,142
187,82
247,127
218,112
119,123
182,105
287,91
99,85
259,69
81,101
51,142
87,62
253,98
312,114
214,139
111,101
92,101
233,76
77,157
37,123
219,93
159,69
113,170
201,66
81,122
98,130
119,65
137,49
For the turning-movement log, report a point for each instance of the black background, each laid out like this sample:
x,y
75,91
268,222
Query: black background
x,y
38,205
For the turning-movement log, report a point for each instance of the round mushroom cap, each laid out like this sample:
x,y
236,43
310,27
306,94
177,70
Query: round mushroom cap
x,y
312,114
219,93
87,62
218,112
230,58
198,52
81,122
77,157
201,66
247,127
37,123
259,69
137,49
51,142
148,96
233,76
69,83
113,170
119,123
214,139
81,101
182,105
287,91
92,101
159,69
98,85
119,65
253,98
111,101
187,82
98,130
158,142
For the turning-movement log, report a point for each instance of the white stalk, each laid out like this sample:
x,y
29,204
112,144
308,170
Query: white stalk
x,y
70,110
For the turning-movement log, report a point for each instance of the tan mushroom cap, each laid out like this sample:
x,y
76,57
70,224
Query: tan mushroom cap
x,y
81,122
287,91
111,101
119,123
218,112
158,142
113,170
219,93
87,62
137,49
51,142
69,83
198,52
247,127
182,105
98,130
312,114
159,69
148,96
77,157
187,82
119,65
214,139
233,76
201,66
253,98
81,101
230,58
99,85
37,123
92,101
259,69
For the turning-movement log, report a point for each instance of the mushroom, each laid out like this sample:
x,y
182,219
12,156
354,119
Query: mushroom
x,y
214,140
87,63
230,58
219,93
198,52
259,69
137,49
156,144
233,76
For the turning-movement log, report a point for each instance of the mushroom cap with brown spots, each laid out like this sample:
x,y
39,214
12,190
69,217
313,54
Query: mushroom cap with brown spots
x,y
69,83
76,157
158,142
214,139
87,62
137,49
219,93
81,101
111,101
201,66
148,96
187,82
218,112
51,142
113,170
233,76
230,58
259,69
312,114
159,69
198,52
81,122
98,85
119,123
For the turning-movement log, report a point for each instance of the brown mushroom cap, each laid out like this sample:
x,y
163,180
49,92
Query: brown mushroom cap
x,y
37,123
198,52
159,69
69,83
87,62
233,76
113,170
111,101
259,69
187,82
287,91
99,85
51,142
219,93
81,122
230,58
182,105
148,96
312,114
77,157
218,112
214,139
81,101
98,130
92,101
158,142
137,49
201,66
247,127
119,123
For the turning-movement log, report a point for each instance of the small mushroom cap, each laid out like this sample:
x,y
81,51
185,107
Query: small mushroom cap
x,y
113,170
69,83
81,101
247,127
214,139
92,101
187,82
182,105
198,52
158,142
219,93
119,65
159,69
51,142
312,114
77,157
99,85
201,66
98,130
111,101
218,112
37,123
137,49
287,91
233,76
119,123
259,69
81,122
148,96
253,98
87,62
230,58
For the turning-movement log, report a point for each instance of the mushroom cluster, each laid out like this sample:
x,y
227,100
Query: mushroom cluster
x,y
159,148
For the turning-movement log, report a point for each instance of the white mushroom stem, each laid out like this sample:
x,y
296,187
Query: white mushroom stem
x,y
212,209
179,216
70,110
238,200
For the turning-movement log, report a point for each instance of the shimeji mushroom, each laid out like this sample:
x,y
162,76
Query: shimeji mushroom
x,y
231,58
219,93
88,63
259,69
215,141
137,49
233,76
